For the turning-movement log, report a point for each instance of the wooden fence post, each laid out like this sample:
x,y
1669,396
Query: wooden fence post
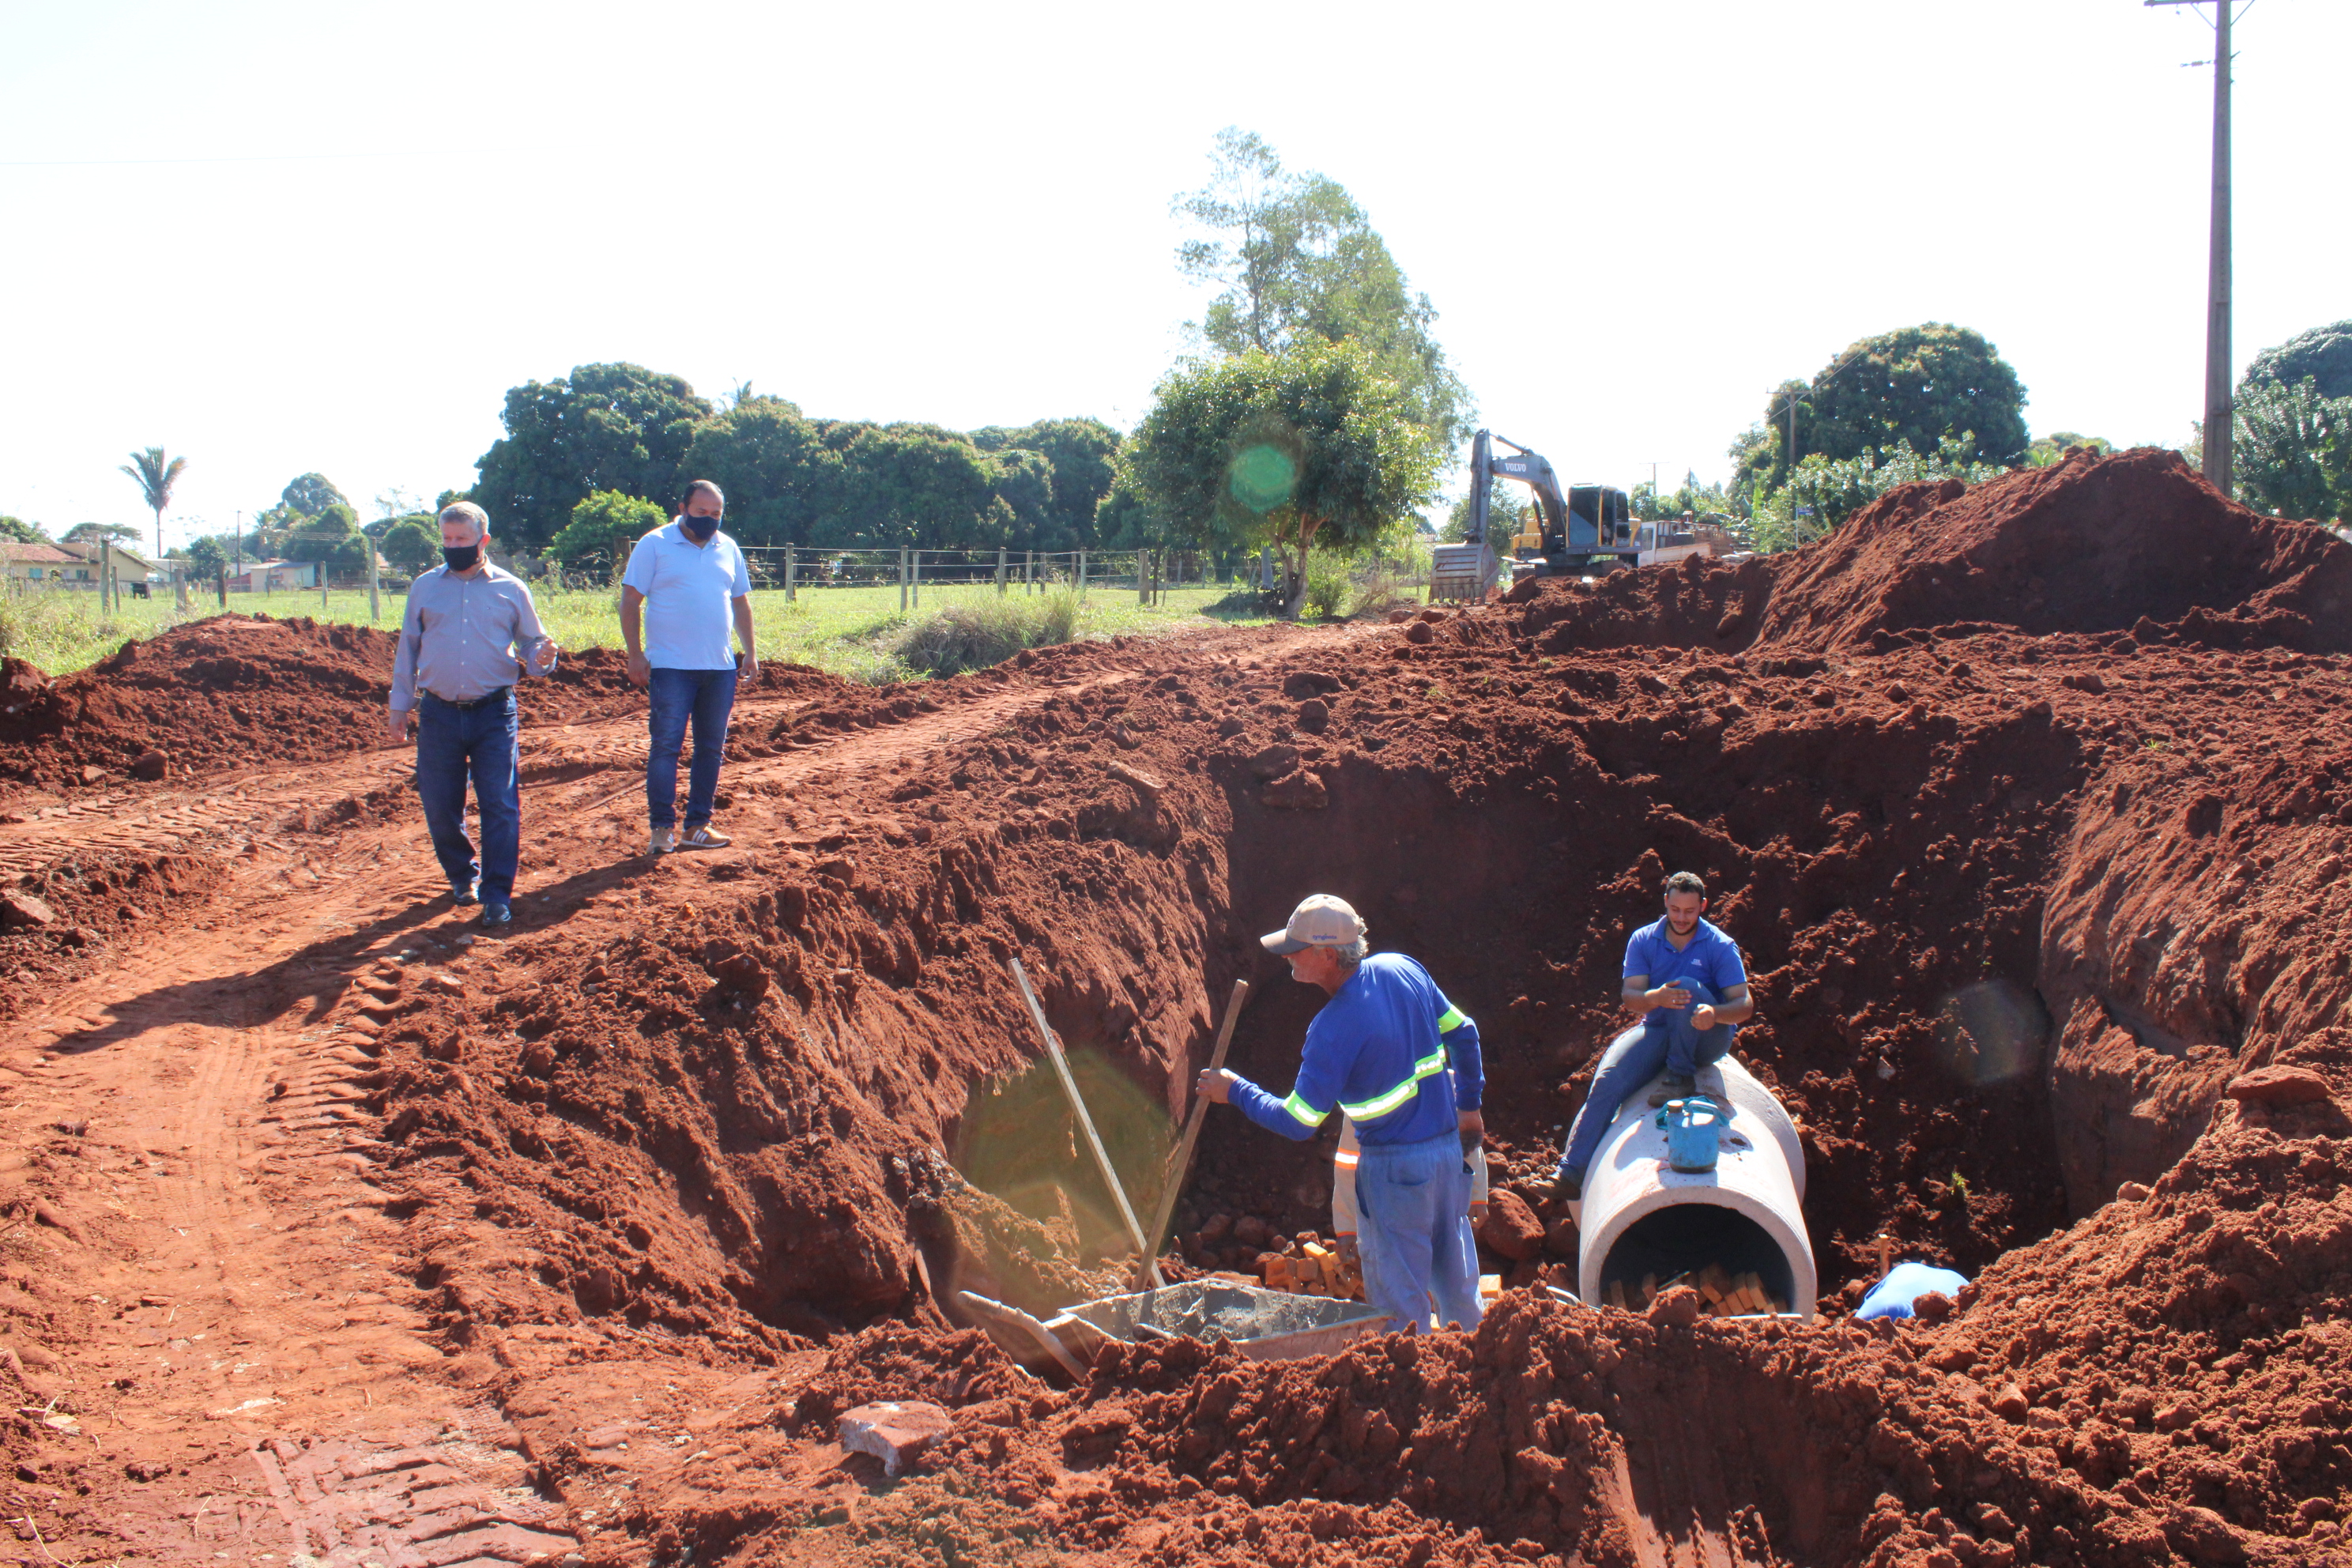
x,y
789,594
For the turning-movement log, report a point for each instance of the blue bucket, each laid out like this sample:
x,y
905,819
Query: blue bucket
x,y
1695,1129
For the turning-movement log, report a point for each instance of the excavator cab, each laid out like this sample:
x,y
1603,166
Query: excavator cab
x,y
1574,529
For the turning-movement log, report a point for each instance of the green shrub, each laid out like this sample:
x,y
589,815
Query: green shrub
x,y
1378,594
1326,582
989,630
1057,616
603,529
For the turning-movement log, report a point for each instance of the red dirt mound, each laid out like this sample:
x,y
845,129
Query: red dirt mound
x,y
2091,544
2133,542
235,689
1697,604
2164,1382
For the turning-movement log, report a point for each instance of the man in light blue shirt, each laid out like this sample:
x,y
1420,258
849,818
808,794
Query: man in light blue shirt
x,y
685,583
1684,977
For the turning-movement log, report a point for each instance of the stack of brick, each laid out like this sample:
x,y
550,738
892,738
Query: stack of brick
x,y
1722,1294
1313,1270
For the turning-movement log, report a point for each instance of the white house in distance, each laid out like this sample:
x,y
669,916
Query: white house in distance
x,y
45,564
129,566
274,578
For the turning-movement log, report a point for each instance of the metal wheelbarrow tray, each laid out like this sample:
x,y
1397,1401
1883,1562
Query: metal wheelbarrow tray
x,y
1264,1325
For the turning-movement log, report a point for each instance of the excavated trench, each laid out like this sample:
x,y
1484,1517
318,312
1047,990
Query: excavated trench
x,y
2017,907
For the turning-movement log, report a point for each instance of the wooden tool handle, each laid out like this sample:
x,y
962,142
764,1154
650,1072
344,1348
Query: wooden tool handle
x,y
1182,1165
1086,1122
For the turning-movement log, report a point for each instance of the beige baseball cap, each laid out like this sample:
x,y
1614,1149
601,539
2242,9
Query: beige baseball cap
x,y
1319,921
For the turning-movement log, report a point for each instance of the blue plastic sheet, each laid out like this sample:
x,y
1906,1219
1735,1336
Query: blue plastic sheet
x,y
1905,1283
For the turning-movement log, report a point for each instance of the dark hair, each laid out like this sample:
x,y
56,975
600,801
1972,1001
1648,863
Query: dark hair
x,y
698,488
1685,882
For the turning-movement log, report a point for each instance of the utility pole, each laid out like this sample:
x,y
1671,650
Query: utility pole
x,y
2220,411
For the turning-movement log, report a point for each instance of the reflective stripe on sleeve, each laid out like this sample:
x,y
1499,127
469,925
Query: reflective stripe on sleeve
x,y
1346,1159
1303,1112
1455,1019
1381,1104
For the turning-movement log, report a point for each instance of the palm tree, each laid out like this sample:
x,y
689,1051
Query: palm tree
x,y
156,476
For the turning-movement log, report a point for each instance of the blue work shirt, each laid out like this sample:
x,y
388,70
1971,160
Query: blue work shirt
x,y
1710,956
690,592
1380,1051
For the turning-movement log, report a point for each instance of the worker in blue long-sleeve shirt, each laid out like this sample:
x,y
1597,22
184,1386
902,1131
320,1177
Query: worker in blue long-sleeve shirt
x,y
1380,1051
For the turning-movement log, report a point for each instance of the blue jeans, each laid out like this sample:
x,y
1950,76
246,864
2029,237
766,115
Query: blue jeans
x,y
1632,1059
1411,1233
451,743
705,698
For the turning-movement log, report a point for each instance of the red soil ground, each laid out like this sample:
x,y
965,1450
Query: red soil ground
x,y
234,690
2030,818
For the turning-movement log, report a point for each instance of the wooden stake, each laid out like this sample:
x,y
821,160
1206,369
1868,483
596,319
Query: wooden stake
x,y
1086,1124
1181,1167
1886,1255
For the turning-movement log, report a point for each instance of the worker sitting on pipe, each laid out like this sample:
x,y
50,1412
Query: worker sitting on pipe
x,y
1351,1154
1379,1050
1689,1017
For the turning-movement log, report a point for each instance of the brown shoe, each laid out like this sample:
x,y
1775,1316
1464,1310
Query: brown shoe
x,y
703,838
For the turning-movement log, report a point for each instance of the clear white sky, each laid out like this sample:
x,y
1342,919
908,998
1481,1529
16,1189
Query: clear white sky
x,y
280,237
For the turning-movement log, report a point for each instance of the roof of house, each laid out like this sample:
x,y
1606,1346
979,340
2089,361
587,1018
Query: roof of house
x,y
83,549
34,554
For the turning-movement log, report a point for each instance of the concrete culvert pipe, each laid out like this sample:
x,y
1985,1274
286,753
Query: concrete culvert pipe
x,y
1638,1216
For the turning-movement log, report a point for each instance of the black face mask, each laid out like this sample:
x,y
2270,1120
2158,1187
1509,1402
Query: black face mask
x,y
697,528
461,557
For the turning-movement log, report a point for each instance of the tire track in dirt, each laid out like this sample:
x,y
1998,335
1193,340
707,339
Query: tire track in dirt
x,y
244,1344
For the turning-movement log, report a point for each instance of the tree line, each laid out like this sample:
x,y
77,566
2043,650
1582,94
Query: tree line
x,y
622,429
1315,412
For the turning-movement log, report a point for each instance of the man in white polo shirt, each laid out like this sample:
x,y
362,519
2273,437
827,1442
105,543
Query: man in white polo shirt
x,y
688,581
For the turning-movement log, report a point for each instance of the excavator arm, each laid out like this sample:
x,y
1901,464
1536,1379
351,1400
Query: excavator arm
x,y
1531,469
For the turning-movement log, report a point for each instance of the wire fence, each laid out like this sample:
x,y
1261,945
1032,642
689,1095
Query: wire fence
x,y
797,569
1148,575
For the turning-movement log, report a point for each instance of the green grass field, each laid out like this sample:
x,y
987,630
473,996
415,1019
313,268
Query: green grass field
x,y
855,633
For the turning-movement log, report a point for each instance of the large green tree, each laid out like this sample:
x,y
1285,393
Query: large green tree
x,y
2323,354
1313,445
1918,385
1082,456
2294,449
206,559
156,475
311,494
604,528
409,545
332,536
780,481
919,485
1022,483
16,531
1297,260
605,428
